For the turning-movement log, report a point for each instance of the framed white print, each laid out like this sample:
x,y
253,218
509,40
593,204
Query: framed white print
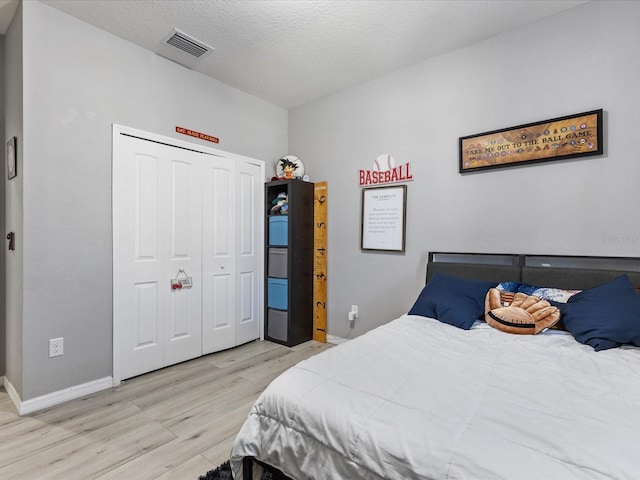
x,y
383,222
12,164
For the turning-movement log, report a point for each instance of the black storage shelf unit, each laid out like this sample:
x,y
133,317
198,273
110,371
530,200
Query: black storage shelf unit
x,y
289,264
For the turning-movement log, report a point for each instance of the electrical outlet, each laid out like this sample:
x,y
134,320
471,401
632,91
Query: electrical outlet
x,y
353,314
56,347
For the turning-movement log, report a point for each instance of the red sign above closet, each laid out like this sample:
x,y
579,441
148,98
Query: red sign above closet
x,y
202,136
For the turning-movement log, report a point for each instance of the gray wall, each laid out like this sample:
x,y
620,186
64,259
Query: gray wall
x,y
579,60
2,221
78,81
13,126
582,59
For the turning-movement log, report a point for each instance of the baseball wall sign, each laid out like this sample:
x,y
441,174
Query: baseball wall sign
x,y
384,163
384,171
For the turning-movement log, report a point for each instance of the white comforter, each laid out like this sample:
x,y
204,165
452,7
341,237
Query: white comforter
x,y
418,399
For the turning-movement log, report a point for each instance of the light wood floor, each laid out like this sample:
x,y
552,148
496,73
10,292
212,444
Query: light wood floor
x,y
176,423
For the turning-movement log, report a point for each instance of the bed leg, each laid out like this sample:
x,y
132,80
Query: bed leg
x,y
247,468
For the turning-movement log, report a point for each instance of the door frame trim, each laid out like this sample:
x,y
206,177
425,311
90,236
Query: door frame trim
x,y
117,132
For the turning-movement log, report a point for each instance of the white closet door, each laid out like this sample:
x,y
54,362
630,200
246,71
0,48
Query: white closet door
x,y
180,212
159,232
250,248
183,324
220,212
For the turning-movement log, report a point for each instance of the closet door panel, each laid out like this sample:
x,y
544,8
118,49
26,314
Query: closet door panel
x,y
159,232
250,252
145,328
183,331
219,254
140,305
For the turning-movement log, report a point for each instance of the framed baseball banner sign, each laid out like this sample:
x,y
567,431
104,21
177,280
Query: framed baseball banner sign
x,y
558,138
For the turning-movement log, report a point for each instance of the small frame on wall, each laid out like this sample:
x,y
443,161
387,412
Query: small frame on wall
x,y
12,162
384,215
558,138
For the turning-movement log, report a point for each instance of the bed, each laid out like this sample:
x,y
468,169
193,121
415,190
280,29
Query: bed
x,y
422,398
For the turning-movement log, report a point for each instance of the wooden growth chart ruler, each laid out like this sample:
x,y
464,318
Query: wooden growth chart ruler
x,y
320,197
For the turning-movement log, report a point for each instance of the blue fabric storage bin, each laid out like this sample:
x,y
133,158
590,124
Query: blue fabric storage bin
x,y
278,230
277,293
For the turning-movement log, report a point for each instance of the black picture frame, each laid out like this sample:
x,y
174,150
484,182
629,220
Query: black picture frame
x,y
383,222
571,136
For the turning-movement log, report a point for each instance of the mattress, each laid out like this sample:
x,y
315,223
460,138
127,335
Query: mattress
x,y
420,399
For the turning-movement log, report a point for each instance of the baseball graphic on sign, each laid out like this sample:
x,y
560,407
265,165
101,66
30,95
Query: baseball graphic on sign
x,y
384,163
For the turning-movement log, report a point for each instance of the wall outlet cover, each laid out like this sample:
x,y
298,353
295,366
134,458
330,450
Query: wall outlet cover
x,y
56,347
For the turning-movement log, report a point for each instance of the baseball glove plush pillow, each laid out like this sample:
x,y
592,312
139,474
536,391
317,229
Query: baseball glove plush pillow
x,y
519,313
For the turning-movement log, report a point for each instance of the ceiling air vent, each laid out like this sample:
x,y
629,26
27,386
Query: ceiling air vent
x,y
183,49
187,44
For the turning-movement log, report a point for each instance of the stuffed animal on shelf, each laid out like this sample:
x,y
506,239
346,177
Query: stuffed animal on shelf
x,y
280,204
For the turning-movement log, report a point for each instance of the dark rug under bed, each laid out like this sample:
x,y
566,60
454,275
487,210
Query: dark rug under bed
x,y
223,472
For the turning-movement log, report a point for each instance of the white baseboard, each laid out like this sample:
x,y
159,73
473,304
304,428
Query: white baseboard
x,y
336,340
55,398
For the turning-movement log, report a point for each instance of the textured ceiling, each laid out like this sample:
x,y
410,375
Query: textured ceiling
x,y
290,52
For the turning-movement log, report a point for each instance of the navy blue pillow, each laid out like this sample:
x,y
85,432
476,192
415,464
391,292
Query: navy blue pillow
x,y
605,316
452,300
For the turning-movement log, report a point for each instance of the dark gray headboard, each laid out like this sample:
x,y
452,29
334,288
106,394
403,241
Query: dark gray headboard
x,y
476,266
569,272
577,272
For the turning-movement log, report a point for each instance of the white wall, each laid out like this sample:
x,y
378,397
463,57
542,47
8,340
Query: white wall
x,y
582,59
78,81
